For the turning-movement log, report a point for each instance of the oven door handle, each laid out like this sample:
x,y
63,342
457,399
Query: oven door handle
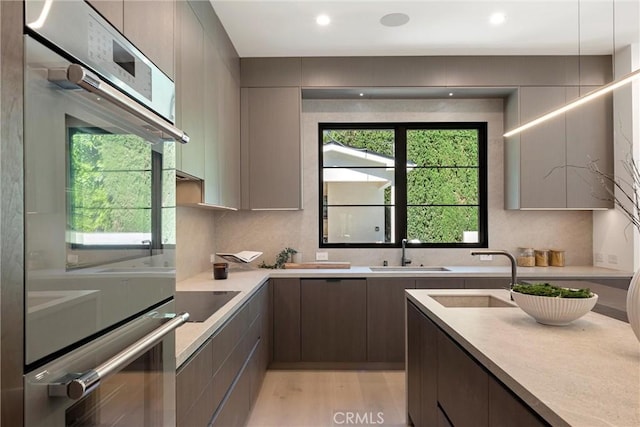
x,y
78,387
76,75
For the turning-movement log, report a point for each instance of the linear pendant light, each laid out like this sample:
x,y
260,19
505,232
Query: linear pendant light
x,y
609,87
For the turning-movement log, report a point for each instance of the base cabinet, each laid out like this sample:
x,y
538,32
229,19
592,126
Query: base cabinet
x,y
286,320
385,319
448,387
333,324
220,382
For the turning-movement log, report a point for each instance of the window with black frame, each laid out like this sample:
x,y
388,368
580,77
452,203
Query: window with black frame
x,y
384,182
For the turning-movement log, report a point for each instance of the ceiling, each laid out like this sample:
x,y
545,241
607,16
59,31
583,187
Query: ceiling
x,y
270,28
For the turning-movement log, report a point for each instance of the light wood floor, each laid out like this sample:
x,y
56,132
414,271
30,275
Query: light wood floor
x,y
327,398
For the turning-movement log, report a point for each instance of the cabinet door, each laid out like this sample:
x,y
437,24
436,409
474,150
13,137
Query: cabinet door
x,y
211,126
149,26
487,283
229,138
286,320
334,320
589,139
504,408
414,368
385,319
271,147
189,90
542,150
111,10
462,386
422,368
440,283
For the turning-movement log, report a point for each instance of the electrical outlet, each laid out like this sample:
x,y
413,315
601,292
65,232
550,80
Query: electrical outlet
x,y
322,256
486,257
613,259
599,256
212,258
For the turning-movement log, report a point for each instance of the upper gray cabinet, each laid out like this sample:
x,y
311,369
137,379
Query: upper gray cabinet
x,y
271,148
147,24
208,105
189,41
111,10
546,165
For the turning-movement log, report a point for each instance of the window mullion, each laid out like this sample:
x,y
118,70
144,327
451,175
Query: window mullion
x,y
401,183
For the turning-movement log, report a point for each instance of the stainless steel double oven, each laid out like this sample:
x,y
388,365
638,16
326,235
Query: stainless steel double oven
x,y
99,154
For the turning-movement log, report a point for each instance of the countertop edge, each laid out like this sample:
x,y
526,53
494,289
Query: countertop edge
x,y
554,412
191,336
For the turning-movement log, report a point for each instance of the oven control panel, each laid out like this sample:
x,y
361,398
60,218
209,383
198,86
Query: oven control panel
x,y
83,36
106,51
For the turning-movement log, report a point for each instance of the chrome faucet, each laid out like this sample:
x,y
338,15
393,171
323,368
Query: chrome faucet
x,y
404,261
514,277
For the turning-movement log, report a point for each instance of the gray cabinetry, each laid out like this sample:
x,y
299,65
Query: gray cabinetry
x,y
271,148
220,381
487,282
542,149
385,319
333,320
422,369
463,386
544,165
440,283
589,139
286,320
149,26
448,387
111,10
190,90
208,104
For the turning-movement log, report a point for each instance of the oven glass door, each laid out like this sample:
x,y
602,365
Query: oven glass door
x,y
132,397
140,393
100,212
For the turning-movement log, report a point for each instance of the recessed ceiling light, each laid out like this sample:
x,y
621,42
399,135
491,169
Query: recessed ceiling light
x,y
497,18
361,94
394,19
323,20
450,93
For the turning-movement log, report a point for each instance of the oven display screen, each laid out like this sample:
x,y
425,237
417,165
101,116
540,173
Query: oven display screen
x,y
124,59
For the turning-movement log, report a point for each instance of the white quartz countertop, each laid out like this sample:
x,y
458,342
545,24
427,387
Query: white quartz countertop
x,y
247,280
569,272
583,374
190,336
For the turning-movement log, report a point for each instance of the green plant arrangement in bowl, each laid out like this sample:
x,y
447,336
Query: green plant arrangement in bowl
x,y
553,305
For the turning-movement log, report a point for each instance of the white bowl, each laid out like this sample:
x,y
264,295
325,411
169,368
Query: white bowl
x,y
552,310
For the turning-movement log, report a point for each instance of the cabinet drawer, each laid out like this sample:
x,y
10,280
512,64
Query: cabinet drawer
x,y
191,382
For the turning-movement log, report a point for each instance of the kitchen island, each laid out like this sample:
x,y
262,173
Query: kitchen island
x,y
583,374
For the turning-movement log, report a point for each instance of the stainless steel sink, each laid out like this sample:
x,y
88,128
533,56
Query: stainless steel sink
x,y
476,301
409,269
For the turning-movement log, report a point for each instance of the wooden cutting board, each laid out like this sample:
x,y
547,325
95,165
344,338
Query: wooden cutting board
x,y
317,265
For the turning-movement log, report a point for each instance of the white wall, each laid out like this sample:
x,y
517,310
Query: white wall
x,y
195,241
270,232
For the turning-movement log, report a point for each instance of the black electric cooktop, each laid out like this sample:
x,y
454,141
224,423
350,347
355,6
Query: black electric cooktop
x,y
202,304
